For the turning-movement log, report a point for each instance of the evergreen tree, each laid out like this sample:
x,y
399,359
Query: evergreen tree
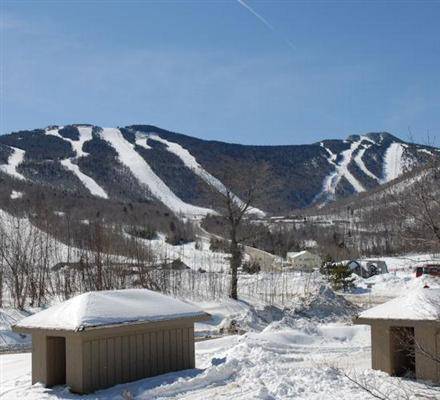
x,y
340,277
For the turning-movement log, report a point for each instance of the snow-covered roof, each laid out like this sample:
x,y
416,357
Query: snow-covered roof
x,y
294,254
94,309
419,304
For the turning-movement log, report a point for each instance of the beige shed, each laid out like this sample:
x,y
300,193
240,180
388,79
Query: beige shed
x,y
100,339
405,335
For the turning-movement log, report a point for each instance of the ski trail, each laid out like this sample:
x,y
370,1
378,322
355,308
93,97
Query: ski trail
x,y
85,135
88,182
362,166
14,160
393,162
341,170
190,161
145,175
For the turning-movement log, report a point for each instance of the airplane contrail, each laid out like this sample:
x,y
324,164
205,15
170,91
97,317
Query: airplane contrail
x,y
265,22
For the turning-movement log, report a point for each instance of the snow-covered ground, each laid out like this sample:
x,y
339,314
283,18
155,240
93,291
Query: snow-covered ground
x,y
194,255
10,341
297,352
298,359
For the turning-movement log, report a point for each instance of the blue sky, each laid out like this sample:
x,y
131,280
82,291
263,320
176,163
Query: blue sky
x,y
212,69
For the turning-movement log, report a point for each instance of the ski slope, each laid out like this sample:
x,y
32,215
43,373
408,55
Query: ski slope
x,y
145,175
14,160
332,180
85,135
359,161
393,162
190,161
86,180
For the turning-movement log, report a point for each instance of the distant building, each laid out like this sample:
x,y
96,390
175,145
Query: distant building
x,y
405,335
304,260
368,268
100,339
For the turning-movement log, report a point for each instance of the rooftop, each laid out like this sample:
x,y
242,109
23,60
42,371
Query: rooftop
x,y
104,308
420,304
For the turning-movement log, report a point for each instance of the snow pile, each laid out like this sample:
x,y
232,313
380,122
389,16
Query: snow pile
x,y
326,305
420,304
236,317
109,308
268,365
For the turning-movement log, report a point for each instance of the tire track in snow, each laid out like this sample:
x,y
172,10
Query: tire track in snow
x,y
146,176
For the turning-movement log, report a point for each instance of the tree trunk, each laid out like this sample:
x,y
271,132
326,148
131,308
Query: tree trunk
x,y
234,263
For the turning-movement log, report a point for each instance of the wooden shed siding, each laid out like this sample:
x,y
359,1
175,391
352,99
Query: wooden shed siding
x,y
426,367
39,358
134,355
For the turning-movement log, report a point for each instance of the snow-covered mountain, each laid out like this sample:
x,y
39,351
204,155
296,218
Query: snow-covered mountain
x,y
146,163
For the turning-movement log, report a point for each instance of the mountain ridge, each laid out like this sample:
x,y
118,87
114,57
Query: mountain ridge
x,y
145,162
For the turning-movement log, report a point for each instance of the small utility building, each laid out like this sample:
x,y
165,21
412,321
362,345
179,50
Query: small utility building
x,y
100,339
405,334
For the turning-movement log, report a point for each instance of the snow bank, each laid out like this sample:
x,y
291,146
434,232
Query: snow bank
x,y
109,308
325,305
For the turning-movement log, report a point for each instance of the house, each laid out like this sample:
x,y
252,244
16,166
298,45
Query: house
x,y
303,260
368,268
405,335
100,339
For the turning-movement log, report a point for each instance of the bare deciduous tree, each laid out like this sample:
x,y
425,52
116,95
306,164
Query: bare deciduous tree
x,y
245,185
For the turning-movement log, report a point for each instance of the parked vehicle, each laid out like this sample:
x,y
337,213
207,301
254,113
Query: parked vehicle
x,y
428,269
368,268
